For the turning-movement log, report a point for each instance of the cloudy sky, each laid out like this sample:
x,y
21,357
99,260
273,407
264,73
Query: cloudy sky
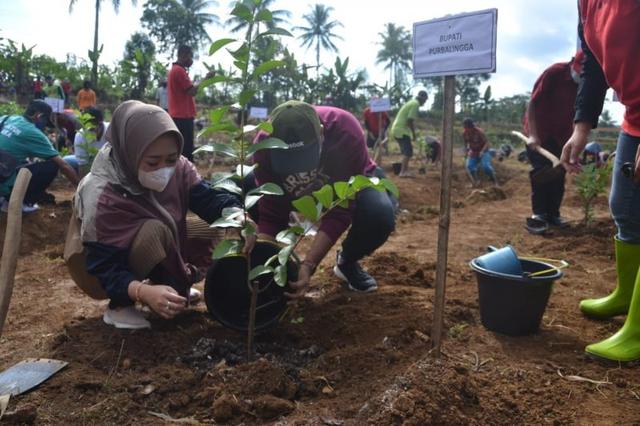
x,y
531,34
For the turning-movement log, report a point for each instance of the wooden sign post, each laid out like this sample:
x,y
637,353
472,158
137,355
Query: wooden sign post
x,y
449,46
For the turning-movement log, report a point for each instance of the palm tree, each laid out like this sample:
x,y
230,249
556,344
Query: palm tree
x,y
395,52
175,22
319,31
94,55
278,16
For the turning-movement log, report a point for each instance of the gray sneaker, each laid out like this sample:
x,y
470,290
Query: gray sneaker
x,y
357,279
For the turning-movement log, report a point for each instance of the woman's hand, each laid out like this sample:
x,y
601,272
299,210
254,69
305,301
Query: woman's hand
x,y
163,300
300,286
571,151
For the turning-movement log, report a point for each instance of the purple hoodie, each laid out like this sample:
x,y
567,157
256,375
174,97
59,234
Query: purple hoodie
x,y
344,154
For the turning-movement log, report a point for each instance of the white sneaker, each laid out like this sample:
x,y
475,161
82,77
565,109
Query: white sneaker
x,y
129,318
195,296
26,208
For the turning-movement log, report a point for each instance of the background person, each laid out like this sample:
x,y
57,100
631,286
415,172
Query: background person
x,y
86,97
374,123
129,238
52,88
548,122
326,146
477,146
162,97
611,61
22,137
404,131
181,92
86,148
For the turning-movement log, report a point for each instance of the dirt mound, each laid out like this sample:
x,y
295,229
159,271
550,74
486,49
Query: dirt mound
x,y
486,195
394,269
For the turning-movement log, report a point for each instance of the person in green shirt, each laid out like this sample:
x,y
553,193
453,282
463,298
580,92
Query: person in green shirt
x,y
403,129
21,138
53,89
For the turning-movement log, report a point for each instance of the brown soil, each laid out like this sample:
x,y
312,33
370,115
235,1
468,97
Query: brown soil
x,y
352,359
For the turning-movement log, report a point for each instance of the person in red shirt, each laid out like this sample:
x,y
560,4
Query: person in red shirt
x,y
548,122
372,122
181,91
610,37
478,153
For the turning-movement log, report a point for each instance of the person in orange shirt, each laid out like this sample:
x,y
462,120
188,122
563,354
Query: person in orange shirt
x,y
86,96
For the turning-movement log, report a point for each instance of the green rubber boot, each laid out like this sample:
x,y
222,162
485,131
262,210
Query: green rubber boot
x,y
624,346
617,303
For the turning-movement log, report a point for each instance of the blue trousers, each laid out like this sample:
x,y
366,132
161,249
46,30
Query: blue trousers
x,y
484,160
624,200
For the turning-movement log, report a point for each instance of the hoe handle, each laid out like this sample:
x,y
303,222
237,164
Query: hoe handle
x,y
540,150
12,236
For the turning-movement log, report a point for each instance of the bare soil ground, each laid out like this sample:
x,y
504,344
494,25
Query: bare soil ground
x,y
354,359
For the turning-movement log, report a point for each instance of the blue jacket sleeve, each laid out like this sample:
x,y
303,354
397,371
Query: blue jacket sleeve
x,y
109,265
208,203
592,88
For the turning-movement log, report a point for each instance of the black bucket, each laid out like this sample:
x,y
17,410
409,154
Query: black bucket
x,y
228,297
512,304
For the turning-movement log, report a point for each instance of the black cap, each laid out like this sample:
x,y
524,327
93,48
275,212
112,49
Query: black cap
x,y
38,106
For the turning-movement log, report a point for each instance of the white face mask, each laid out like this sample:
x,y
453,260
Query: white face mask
x,y
156,180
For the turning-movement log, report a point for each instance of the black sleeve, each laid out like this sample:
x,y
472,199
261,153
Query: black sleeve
x,y
592,88
111,266
208,203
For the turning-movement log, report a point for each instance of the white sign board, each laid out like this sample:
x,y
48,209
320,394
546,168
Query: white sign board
x,y
258,112
57,105
458,44
380,104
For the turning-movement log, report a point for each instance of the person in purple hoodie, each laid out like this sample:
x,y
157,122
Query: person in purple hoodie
x,y
326,145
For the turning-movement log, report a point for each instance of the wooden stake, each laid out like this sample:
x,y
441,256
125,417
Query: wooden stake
x,y
11,247
251,350
445,210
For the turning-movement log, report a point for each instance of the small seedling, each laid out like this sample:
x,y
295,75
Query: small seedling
x,y
590,183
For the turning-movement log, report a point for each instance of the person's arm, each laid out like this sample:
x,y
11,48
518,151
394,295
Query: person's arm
x,y
534,139
66,170
589,103
193,90
321,245
208,203
485,142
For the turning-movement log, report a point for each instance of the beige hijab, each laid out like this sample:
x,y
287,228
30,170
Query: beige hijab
x,y
133,127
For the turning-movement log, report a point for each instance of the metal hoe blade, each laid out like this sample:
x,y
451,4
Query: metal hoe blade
x,y
28,374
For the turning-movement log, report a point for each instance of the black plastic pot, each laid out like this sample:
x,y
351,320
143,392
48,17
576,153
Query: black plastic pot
x,y
512,304
228,297
396,168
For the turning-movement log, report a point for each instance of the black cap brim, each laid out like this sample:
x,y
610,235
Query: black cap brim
x,y
295,160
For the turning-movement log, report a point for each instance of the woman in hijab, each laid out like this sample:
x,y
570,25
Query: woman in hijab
x,y
128,233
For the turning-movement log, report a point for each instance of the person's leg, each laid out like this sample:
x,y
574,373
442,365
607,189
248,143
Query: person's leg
x,y
624,200
472,168
539,191
556,194
373,222
185,125
406,149
485,160
42,174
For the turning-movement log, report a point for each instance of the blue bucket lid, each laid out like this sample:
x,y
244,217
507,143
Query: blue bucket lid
x,y
503,261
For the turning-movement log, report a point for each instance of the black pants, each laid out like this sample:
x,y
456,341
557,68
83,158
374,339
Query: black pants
x,y
546,198
373,220
42,174
185,125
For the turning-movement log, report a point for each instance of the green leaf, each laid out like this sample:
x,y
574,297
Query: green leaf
x,y
284,254
324,195
264,15
344,204
289,236
259,270
267,189
243,170
228,185
219,177
219,44
210,81
220,149
226,223
218,114
307,206
275,31
269,143
266,126
248,230
341,189
231,212
280,275
266,67
272,259
221,127
251,200
241,65
391,187
360,182
227,248
242,12
246,96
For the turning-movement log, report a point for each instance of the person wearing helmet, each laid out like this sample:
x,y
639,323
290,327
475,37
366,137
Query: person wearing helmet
x,y
548,122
